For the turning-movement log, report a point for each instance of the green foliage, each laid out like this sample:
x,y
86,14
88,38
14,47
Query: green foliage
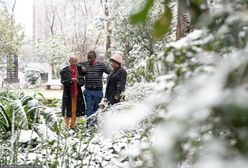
x,y
215,53
7,96
136,75
135,41
145,72
237,77
5,123
25,111
141,16
17,114
161,26
11,34
229,30
196,11
180,59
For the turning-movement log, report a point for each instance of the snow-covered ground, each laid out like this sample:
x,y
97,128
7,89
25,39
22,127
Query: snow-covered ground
x,y
91,147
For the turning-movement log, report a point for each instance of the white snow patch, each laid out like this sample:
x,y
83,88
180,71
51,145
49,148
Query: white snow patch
x,y
27,135
125,119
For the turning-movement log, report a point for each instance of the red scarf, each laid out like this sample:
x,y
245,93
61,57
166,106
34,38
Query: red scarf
x,y
74,87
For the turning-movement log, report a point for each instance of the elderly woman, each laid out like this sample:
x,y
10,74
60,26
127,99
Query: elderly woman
x,y
116,80
72,78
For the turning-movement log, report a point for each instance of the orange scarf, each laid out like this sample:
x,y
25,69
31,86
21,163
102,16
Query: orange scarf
x,y
74,88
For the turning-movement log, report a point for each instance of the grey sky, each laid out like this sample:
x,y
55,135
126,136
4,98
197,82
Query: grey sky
x,y
23,15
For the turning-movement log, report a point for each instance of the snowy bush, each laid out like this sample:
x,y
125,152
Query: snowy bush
x,y
136,42
32,77
199,113
193,115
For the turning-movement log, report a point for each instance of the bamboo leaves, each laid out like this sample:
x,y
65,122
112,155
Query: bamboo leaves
x,y
141,16
22,112
20,119
161,26
4,119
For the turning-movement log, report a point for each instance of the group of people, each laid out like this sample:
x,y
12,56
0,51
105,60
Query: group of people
x,y
89,74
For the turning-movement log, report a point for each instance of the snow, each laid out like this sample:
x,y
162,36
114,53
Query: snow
x,y
33,103
204,96
45,132
170,58
27,135
172,122
186,40
126,119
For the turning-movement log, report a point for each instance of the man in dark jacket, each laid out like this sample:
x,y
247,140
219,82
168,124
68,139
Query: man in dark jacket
x,y
72,78
93,84
116,80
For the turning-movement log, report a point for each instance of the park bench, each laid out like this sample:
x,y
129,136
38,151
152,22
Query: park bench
x,y
53,84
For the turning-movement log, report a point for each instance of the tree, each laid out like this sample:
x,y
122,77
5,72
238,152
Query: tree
x,y
11,35
187,13
106,9
76,22
200,115
183,19
52,50
135,42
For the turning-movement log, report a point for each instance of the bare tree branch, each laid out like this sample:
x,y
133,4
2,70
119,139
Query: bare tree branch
x,y
13,10
51,21
97,40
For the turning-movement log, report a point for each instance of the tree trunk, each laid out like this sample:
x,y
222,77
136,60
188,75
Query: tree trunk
x,y
10,56
108,42
183,18
108,28
126,53
34,23
53,70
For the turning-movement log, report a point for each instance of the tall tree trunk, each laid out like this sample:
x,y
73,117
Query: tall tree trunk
x,y
107,27
50,16
53,70
183,18
126,52
10,56
34,23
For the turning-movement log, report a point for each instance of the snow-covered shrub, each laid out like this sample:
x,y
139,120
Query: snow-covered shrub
x,y
147,71
24,112
32,77
200,118
196,116
136,42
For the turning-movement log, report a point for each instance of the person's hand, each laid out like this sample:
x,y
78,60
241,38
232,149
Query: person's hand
x,y
75,80
117,97
83,68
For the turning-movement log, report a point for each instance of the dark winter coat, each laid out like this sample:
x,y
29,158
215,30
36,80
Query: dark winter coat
x,y
116,82
66,99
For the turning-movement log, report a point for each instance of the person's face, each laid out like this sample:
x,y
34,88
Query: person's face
x,y
114,64
73,61
91,59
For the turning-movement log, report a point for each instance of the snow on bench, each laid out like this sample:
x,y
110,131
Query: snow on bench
x,y
53,84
